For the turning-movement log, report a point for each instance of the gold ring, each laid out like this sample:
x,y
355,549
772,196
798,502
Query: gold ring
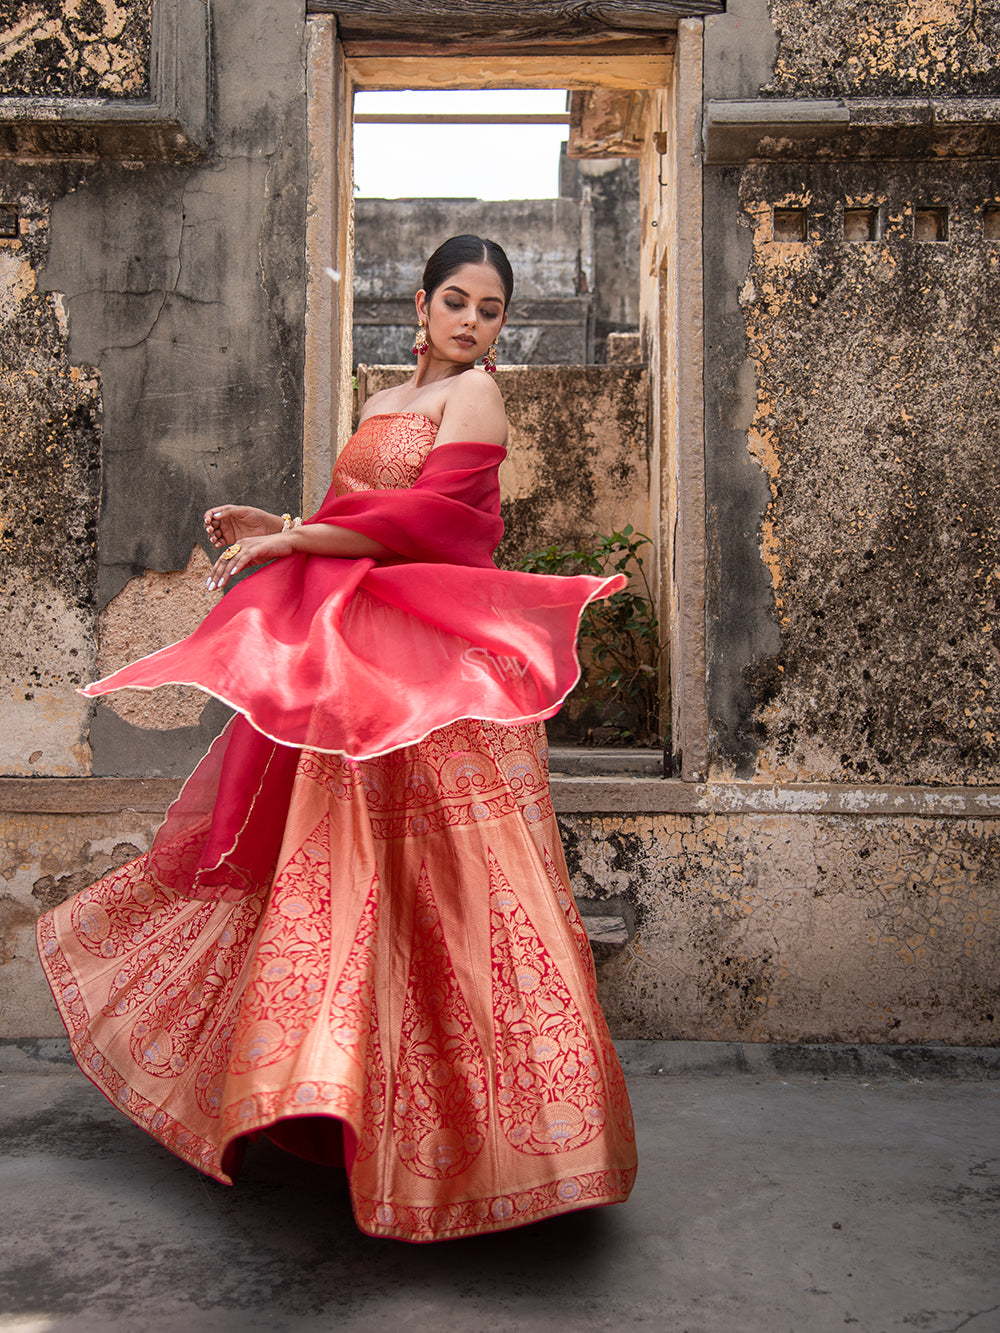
x,y
231,552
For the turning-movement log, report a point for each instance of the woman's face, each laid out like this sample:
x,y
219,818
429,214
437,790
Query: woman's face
x,y
464,314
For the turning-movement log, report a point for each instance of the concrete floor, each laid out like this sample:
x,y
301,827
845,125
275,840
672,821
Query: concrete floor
x,y
767,1202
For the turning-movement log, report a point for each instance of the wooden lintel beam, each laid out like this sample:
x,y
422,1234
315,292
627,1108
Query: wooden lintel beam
x,y
513,20
610,44
576,70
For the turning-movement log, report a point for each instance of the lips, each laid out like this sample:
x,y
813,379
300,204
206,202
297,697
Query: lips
x,y
464,340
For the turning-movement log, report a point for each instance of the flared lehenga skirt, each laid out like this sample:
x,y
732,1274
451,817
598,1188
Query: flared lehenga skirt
x,y
414,996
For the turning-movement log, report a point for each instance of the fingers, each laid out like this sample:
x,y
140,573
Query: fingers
x,y
217,525
231,562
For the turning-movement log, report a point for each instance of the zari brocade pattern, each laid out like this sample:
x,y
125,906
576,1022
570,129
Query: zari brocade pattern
x,y
417,970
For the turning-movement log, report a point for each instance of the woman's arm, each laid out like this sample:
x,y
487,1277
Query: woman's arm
x,y
310,539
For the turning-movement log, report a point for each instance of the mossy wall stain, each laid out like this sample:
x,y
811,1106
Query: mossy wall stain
x,y
797,928
885,48
75,48
49,495
182,289
876,427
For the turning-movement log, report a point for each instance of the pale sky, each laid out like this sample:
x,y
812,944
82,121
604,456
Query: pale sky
x,y
459,161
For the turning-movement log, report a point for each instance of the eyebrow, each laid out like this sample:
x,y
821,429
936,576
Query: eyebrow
x,y
462,292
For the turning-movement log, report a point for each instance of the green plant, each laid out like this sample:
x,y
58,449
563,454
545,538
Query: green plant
x,y
619,636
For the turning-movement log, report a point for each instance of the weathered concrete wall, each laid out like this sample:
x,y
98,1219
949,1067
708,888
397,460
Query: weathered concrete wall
x,y
852,423
743,926
850,452
49,48
173,298
796,927
876,427
44,858
544,239
612,187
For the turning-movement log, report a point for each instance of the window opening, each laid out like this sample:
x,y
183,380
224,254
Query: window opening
x,y
429,165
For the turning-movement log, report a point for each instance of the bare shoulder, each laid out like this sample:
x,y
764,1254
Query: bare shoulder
x,y
474,386
473,410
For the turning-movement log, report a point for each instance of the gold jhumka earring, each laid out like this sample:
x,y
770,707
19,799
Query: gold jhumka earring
x,y
490,359
420,341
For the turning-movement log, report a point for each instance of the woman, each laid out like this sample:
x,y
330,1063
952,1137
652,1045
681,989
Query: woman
x,y
354,930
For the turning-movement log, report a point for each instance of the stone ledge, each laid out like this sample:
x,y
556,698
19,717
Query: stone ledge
x,y
734,130
32,1055
827,1060
641,795
622,793
86,796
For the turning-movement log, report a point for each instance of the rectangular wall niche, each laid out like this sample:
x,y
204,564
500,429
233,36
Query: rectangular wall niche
x,y
789,224
930,224
8,222
861,224
991,223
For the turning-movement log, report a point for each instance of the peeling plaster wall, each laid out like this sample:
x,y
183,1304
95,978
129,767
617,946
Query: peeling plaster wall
x,y
172,298
44,859
876,427
49,490
801,928
74,48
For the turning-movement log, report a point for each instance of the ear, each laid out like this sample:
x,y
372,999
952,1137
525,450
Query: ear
x,y
421,303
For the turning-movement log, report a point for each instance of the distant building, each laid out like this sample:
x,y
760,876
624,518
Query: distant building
x,y
575,258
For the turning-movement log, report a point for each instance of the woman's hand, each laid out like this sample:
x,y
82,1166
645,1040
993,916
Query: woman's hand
x,y
246,552
226,524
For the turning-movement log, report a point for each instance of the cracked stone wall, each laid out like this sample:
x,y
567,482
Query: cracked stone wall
x,y
154,349
853,325
74,48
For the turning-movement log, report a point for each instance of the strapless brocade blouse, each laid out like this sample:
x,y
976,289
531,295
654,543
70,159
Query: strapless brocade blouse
x,y
373,460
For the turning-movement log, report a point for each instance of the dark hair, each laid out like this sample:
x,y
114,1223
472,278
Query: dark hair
x,y
459,250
